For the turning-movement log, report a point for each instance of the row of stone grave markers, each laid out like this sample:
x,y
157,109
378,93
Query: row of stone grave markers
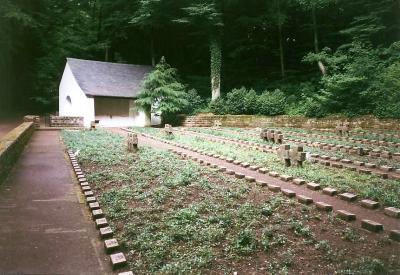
x,y
375,153
266,135
273,136
353,150
344,138
375,132
345,215
111,245
360,167
356,150
312,186
348,139
386,172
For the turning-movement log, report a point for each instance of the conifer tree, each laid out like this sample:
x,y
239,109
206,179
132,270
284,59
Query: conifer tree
x,y
161,91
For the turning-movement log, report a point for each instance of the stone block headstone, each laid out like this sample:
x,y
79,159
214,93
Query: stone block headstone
x,y
168,130
278,137
292,156
132,142
273,136
284,155
94,124
343,128
297,156
217,124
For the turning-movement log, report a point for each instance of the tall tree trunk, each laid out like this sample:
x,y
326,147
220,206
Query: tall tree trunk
x,y
316,41
106,56
281,54
152,51
99,22
215,65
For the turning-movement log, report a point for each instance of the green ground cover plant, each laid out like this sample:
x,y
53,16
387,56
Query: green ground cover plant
x,y
367,186
364,135
173,216
330,138
250,135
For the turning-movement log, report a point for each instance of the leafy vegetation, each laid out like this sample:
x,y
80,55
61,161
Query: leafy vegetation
x,y
161,91
173,216
253,136
299,57
367,186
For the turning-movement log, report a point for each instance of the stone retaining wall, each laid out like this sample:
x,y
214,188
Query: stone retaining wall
x,y
365,122
11,146
66,121
33,118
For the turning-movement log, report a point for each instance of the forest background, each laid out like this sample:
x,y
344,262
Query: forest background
x,y
267,57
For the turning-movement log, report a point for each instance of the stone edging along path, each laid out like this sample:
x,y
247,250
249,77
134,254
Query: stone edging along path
x,y
386,172
111,245
369,219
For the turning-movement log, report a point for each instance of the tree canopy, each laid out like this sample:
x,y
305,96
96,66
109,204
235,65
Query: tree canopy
x,y
320,56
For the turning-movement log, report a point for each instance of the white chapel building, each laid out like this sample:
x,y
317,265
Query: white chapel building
x,y
103,91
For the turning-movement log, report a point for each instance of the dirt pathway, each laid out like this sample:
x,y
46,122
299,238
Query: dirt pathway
x,y
45,228
361,213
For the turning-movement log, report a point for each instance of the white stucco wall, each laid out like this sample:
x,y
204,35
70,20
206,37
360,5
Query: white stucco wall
x,y
80,105
118,121
84,106
117,112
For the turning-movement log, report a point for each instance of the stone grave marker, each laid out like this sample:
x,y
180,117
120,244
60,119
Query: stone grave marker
x,y
343,128
292,156
94,124
217,124
264,134
168,130
278,137
132,143
284,154
273,136
297,156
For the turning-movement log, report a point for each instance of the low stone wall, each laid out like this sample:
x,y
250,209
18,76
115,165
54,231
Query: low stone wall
x,y
365,122
33,118
11,146
66,121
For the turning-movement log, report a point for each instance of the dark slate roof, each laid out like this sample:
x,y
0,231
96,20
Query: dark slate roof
x,y
108,79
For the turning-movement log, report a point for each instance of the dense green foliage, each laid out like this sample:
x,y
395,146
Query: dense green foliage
x,y
161,91
324,56
247,102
